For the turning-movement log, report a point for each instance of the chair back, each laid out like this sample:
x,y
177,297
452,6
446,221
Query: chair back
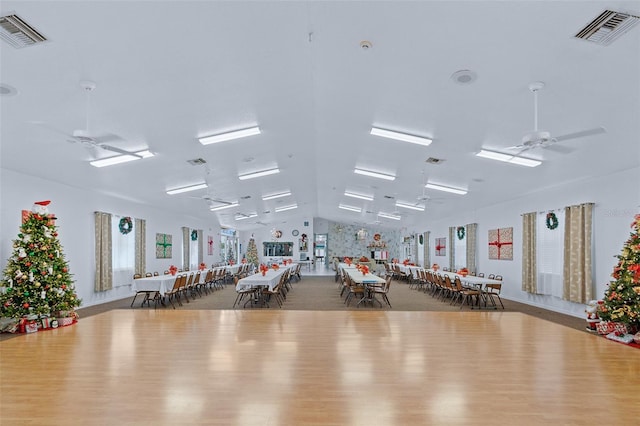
x,y
498,277
156,274
491,276
177,283
136,276
148,274
481,274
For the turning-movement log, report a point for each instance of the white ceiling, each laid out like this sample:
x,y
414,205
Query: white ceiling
x,y
170,71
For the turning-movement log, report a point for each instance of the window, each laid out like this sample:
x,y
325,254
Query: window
x,y
460,251
550,254
123,248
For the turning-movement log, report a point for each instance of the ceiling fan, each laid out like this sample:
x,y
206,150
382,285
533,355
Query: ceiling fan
x,y
542,138
85,138
212,200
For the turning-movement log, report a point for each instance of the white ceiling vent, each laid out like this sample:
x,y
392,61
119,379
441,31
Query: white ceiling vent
x,y
607,27
15,31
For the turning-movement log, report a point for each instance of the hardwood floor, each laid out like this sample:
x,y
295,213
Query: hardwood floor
x,y
277,367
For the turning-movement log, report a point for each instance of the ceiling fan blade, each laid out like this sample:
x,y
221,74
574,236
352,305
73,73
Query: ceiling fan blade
x,y
581,134
562,149
118,150
107,137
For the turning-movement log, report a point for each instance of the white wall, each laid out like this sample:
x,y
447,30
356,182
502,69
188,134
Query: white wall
x,y
74,210
617,200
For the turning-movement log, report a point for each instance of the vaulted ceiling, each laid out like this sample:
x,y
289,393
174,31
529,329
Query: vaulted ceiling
x,y
169,72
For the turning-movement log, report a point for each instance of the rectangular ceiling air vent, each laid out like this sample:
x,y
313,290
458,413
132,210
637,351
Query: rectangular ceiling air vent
x,y
432,160
15,31
197,161
607,27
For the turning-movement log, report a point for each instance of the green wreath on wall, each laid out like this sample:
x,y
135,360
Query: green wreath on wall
x,y
460,232
125,225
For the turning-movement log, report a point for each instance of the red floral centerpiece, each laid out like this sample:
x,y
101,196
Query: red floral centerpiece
x,y
275,267
464,272
405,262
263,269
173,269
347,260
364,269
435,266
363,259
202,266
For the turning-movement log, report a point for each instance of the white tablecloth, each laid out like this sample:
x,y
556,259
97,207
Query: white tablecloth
x,y
160,283
358,278
270,279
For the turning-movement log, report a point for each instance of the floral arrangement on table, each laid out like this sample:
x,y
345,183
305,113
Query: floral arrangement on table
x,y
364,269
435,266
347,260
405,262
286,261
173,269
263,269
464,272
202,266
275,266
363,259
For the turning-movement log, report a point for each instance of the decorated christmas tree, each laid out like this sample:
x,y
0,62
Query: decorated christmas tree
x,y
36,278
252,252
621,301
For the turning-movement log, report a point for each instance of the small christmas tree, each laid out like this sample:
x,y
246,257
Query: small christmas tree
x,y
37,278
252,252
622,298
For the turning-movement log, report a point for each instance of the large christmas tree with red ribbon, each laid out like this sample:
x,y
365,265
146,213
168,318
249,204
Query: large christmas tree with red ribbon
x,y
621,302
36,279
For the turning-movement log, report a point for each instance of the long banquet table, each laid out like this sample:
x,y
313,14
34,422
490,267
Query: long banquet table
x,y
159,283
270,280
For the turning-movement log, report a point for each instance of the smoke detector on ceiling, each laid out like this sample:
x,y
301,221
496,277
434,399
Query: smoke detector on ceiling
x,y
463,77
365,45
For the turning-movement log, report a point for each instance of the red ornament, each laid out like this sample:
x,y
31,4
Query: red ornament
x,y
7,303
64,287
27,263
64,269
55,234
25,305
44,272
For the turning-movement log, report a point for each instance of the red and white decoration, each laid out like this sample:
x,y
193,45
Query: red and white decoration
x,y
441,246
501,244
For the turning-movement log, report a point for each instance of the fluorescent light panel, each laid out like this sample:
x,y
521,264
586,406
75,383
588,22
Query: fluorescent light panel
x,y
350,208
237,134
119,159
284,208
508,158
226,206
374,174
410,206
187,189
274,196
249,216
404,137
389,216
360,196
259,174
445,188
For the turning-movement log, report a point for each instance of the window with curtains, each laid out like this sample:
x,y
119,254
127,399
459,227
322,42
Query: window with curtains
x,y
550,254
193,252
460,252
123,247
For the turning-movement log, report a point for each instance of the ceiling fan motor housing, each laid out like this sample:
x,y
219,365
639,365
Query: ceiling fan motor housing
x,y
537,138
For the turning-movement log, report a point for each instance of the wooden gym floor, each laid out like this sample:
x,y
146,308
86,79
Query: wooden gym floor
x,y
277,367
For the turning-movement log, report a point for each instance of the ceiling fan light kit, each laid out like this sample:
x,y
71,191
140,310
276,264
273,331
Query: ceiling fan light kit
x,y
236,134
508,158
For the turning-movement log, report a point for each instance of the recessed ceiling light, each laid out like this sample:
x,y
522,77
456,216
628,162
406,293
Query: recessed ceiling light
x,y
187,189
418,207
274,196
226,206
404,137
360,196
236,134
350,208
389,216
446,189
242,216
508,158
291,207
259,174
119,159
374,174
463,77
